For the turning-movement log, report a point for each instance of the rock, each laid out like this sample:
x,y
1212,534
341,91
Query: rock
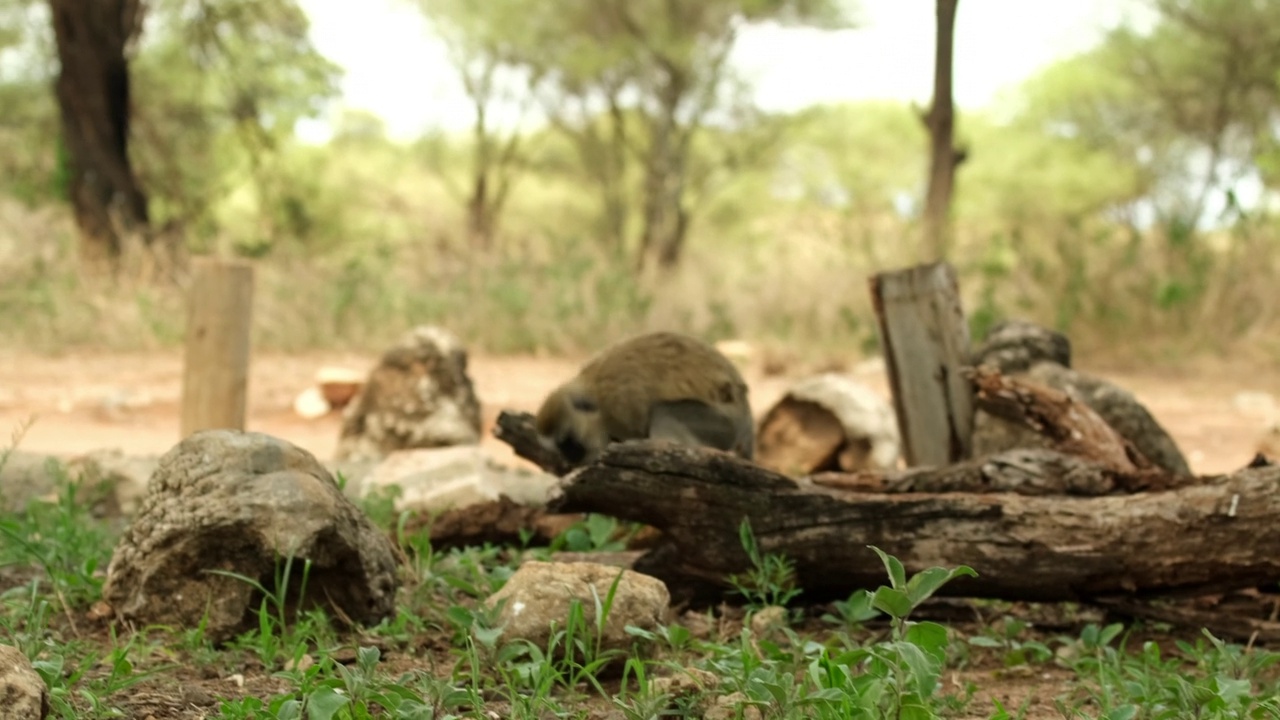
x,y
768,619
25,476
1013,346
123,477
419,396
1021,348
687,684
734,706
244,502
537,598
109,482
23,694
446,478
311,404
825,422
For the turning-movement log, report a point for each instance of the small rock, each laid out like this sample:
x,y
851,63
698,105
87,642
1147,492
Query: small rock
x,y
311,404
23,695
419,396
124,477
768,619
538,596
688,682
243,502
726,707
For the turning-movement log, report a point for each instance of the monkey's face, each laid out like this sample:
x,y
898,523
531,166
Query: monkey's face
x,y
569,423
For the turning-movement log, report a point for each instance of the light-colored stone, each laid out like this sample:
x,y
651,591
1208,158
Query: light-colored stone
x,y
686,683
244,502
23,694
537,598
311,404
726,707
443,478
418,396
124,476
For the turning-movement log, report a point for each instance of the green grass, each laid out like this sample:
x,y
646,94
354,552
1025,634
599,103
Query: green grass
x,y
443,656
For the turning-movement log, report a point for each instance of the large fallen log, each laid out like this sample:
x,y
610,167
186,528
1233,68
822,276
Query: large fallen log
x,y
1218,534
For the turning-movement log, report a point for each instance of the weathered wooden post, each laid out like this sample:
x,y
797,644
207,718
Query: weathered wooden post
x,y
215,379
926,344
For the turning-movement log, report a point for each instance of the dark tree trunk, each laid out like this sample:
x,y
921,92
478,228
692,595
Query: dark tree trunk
x,y
93,96
940,120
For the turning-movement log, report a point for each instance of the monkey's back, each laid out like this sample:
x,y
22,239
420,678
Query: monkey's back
x,y
632,375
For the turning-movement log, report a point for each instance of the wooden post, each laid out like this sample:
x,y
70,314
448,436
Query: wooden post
x,y
926,343
215,378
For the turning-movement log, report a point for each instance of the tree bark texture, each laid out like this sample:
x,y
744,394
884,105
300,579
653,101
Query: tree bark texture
x,y
1220,534
926,344
1037,525
940,121
93,96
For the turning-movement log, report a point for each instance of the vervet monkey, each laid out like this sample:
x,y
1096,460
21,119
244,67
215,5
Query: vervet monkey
x,y
660,385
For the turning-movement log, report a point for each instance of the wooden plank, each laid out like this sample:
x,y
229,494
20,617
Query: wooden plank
x,y
215,380
925,340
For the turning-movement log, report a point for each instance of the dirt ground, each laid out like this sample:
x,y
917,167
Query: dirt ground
x,y
80,402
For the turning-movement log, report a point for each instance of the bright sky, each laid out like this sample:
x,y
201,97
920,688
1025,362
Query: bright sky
x,y
395,68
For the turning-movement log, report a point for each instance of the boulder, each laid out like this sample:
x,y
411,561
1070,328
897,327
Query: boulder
x,y
246,503
418,396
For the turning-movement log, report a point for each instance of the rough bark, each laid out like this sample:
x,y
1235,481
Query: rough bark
x,y
944,157
93,96
1218,535
1037,525
926,344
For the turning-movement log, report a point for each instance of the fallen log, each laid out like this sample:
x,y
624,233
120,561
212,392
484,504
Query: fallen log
x,y
1217,534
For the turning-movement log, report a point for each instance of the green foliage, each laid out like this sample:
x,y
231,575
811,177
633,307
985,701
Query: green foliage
x,y
220,86
770,581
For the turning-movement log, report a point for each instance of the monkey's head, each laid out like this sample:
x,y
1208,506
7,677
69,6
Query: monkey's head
x,y
569,423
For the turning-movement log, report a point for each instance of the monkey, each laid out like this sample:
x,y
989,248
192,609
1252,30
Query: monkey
x,y
660,385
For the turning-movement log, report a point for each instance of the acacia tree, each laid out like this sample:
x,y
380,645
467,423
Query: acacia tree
x,y
221,86
944,156
632,84
1190,102
93,92
476,38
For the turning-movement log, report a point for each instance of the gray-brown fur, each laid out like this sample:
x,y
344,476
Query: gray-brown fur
x,y
660,385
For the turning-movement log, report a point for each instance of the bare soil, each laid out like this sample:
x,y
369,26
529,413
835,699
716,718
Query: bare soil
x,y
83,402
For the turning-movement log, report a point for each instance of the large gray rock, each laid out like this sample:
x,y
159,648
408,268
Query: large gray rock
x,y
438,479
108,482
23,695
1020,348
536,600
244,502
419,396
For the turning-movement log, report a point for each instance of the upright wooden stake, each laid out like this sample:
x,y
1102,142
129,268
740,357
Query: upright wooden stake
x,y
926,343
215,378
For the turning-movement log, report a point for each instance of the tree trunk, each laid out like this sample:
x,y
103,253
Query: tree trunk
x,y
666,220
93,95
940,120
